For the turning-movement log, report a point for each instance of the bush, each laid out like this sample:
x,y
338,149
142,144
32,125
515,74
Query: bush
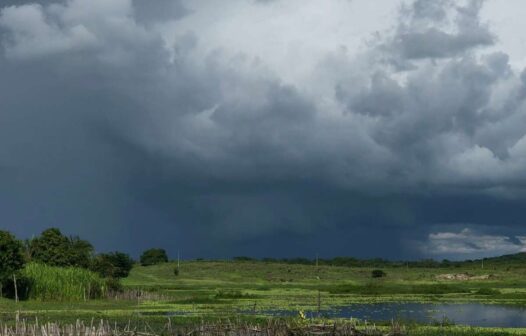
x,y
114,285
153,257
378,273
49,283
112,265
176,271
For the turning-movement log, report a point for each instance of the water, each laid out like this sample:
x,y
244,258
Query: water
x,y
470,314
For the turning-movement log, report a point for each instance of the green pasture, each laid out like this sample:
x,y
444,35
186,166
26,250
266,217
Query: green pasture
x,y
224,289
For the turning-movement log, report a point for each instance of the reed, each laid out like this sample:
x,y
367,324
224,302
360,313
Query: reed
x,y
47,283
272,327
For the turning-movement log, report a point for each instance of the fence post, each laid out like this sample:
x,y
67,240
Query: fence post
x,y
16,289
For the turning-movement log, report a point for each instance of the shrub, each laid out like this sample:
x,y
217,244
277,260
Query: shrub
x,y
153,257
49,283
112,265
378,273
176,271
114,285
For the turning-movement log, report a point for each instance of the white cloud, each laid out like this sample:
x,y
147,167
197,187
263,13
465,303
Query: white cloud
x,y
470,243
33,35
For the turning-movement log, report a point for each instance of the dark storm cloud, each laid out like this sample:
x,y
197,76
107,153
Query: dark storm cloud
x,y
120,120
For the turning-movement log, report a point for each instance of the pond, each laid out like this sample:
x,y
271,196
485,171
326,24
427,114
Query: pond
x,y
471,314
468,314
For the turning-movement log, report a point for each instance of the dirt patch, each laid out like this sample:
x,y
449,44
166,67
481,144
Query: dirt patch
x,y
463,277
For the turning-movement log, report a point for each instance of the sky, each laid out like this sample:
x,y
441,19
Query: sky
x,y
266,128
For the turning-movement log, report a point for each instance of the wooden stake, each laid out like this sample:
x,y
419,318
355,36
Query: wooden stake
x,y
16,289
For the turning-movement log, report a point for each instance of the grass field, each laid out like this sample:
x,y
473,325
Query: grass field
x,y
219,289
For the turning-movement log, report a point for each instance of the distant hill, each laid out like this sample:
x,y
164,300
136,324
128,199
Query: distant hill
x,y
507,258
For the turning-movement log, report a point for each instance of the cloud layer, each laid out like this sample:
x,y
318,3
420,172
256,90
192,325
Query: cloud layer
x,y
467,243
253,119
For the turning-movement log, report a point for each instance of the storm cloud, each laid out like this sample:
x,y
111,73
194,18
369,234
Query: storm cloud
x,y
275,128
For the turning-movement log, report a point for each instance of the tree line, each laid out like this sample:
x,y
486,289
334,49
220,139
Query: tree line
x,y
379,262
53,248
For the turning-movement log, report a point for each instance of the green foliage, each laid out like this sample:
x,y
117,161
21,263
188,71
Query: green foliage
x,y
112,265
23,284
80,252
114,285
55,249
11,256
176,270
232,294
378,273
49,283
375,288
487,291
154,256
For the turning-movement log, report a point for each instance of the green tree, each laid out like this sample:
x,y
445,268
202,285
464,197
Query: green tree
x,y
112,265
153,256
80,252
55,249
11,257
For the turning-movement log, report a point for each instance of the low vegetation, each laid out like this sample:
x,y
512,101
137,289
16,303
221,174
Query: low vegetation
x,y
236,327
112,287
378,273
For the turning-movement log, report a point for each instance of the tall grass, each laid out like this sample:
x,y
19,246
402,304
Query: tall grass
x,y
228,327
47,283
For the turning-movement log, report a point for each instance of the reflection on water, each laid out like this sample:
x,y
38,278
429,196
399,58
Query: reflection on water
x,y
472,314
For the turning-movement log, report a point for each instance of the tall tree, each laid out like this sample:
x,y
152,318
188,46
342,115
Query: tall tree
x,y
11,257
80,252
154,256
55,249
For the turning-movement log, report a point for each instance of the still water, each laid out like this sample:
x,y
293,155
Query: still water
x,y
471,314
